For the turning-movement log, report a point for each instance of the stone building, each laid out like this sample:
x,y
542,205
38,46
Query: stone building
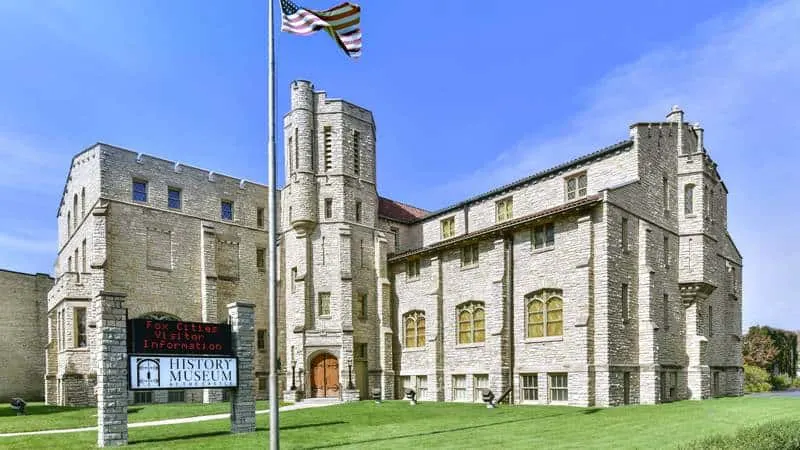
x,y
23,331
609,279
179,242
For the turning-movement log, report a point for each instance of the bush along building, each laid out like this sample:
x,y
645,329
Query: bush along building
x,y
607,280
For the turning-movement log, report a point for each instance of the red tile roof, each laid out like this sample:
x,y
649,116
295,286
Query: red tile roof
x,y
400,212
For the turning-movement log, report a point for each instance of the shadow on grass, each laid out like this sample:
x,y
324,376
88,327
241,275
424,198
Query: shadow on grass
x,y
228,433
592,410
40,410
134,410
431,433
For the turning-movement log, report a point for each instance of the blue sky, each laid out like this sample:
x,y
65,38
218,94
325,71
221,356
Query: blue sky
x,y
467,96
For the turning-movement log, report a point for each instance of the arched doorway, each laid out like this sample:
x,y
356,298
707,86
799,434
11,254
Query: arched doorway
x,y
325,376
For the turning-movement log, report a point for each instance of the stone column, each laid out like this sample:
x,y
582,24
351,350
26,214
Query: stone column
x,y
112,371
243,399
384,311
208,289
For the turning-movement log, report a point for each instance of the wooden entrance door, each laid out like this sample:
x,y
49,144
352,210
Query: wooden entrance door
x,y
325,376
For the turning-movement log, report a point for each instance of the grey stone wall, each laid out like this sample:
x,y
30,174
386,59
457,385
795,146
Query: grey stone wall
x,y
23,321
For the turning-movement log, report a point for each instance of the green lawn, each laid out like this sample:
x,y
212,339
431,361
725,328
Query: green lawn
x,y
447,425
42,417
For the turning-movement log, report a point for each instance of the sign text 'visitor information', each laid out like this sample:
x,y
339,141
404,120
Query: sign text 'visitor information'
x,y
182,372
169,337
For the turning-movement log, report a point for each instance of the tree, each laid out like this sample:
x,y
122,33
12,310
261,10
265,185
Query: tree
x,y
759,350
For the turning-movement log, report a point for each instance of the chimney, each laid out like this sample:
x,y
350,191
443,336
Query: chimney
x,y
676,116
699,131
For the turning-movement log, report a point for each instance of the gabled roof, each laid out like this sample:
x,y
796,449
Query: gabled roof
x,y
398,211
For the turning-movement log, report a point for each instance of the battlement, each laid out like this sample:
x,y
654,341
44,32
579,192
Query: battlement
x,y
175,167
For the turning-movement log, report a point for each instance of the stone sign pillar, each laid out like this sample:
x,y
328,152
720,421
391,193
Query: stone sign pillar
x,y
243,399
112,370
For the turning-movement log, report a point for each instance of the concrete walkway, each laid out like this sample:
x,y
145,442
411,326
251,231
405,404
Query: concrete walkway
x,y
312,403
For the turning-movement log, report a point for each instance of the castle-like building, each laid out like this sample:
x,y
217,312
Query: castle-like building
x,y
609,279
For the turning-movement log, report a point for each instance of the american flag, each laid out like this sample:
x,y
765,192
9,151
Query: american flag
x,y
342,23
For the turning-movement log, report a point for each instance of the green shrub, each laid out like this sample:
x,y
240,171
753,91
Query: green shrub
x,y
780,382
756,379
778,435
796,383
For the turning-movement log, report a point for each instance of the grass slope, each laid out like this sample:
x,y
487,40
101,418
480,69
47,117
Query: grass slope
x,y
43,417
449,425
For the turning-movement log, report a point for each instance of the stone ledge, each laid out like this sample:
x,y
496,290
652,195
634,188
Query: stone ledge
x,y
241,304
111,294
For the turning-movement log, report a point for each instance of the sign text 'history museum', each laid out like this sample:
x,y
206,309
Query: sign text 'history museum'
x,y
182,372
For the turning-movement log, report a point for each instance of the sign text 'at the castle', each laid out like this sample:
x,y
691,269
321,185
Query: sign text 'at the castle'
x,y
147,336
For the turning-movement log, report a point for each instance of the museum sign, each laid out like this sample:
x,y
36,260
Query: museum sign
x,y
166,354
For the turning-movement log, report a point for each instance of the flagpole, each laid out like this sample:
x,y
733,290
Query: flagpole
x,y
273,244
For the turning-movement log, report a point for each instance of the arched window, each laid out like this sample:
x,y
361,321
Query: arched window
x,y
83,202
688,199
471,319
75,208
159,315
415,328
545,315
69,223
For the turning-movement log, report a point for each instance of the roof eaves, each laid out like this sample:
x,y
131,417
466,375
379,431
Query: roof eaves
x,y
582,159
504,226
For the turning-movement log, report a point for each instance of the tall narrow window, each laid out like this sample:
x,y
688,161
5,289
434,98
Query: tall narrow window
x,y
357,152
260,217
576,186
624,306
324,303
361,306
358,210
261,340
69,223
290,152
688,199
77,266
412,269
666,312
294,278
361,258
414,329
328,208
139,191
80,327
69,264
226,210
328,143
710,321
75,208
261,254
559,391
624,234
174,198
322,250
666,251
396,232
83,258
505,209
448,227
296,151
83,202
665,192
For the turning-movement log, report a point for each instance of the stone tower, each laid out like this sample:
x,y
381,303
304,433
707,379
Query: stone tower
x,y
333,251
